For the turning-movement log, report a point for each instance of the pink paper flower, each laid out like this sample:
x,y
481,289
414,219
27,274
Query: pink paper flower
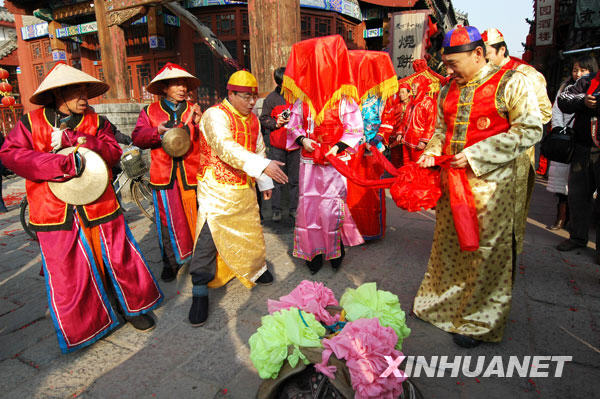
x,y
364,343
311,297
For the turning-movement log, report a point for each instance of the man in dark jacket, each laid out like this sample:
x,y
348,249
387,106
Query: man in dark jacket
x,y
581,99
272,121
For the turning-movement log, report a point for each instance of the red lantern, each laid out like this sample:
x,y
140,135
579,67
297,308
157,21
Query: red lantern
x,y
3,73
8,101
5,87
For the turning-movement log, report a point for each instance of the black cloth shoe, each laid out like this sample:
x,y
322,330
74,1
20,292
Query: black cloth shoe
x,y
199,310
465,341
315,264
337,262
568,245
143,322
168,273
265,279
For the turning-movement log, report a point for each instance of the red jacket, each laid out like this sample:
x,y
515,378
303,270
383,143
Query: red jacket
x,y
278,137
28,152
163,168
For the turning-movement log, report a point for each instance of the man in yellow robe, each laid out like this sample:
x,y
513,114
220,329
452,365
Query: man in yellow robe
x,y
497,53
229,239
487,118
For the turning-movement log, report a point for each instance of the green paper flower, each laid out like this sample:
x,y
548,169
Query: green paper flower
x,y
368,302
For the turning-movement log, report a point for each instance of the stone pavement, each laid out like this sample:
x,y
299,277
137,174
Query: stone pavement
x,y
556,308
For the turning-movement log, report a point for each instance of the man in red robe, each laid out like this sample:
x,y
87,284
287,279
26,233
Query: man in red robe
x,y
92,264
173,180
393,119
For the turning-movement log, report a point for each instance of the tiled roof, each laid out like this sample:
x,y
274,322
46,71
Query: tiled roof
x,y
7,47
6,16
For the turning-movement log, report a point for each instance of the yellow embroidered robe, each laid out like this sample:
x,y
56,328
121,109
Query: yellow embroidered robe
x,y
226,192
470,292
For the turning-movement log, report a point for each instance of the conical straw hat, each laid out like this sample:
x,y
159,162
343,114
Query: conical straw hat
x,y
171,71
64,75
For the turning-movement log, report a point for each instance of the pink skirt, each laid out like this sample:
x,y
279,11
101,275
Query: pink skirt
x,y
323,217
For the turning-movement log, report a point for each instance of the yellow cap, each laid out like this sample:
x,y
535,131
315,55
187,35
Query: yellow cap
x,y
242,81
492,36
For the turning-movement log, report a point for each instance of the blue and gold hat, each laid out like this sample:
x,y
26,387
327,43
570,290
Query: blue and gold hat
x,y
461,39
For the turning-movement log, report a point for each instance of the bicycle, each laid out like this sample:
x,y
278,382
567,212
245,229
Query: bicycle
x,y
134,167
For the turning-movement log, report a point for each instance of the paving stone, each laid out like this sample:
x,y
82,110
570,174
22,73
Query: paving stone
x,y
179,385
7,306
14,373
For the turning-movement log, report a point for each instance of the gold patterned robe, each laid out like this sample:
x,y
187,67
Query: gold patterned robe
x,y
470,292
231,209
526,162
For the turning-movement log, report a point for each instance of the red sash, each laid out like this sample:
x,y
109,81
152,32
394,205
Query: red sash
x,y
46,212
163,167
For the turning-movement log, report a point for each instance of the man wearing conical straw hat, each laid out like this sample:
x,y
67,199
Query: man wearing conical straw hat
x,y
229,237
173,179
92,264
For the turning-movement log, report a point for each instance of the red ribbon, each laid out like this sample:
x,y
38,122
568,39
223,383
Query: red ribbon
x,y
462,203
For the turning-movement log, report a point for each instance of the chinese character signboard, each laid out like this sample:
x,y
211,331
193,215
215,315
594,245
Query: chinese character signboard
x,y
587,14
544,17
408,40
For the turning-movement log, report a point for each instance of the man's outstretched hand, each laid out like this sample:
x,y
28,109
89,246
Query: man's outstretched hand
x,y
274,171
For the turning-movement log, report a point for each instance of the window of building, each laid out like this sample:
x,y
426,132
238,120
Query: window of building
x,y
39,73
143,78
36,51
246,53
47,48
136,39
322,26
226,24
207,20
231,45
245,26
76,63
305,26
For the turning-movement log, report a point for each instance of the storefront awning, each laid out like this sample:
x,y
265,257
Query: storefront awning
x,y
392,3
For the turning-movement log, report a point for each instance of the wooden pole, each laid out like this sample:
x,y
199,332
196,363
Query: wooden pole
x,y
274,28
113,54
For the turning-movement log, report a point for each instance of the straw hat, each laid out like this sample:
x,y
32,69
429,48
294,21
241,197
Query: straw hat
x,y
171,71
62,75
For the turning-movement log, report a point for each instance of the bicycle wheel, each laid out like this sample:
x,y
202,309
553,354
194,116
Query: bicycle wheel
x,y
24,217
142,195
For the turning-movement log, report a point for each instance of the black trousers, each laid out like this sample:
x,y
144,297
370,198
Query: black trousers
x,y
292,169
203,265
584,179
168,253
